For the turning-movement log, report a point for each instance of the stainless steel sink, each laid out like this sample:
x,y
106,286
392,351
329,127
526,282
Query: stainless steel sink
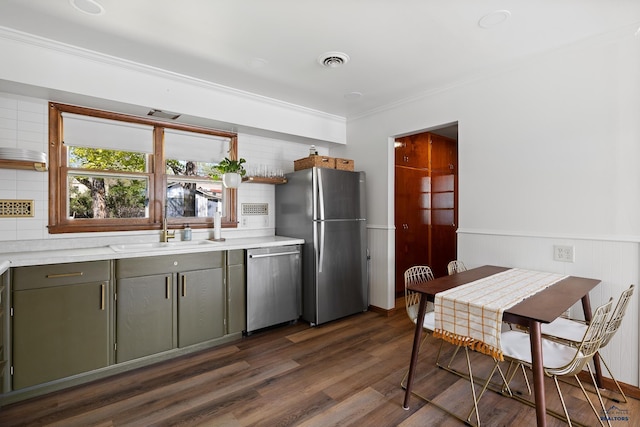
x,y
161,246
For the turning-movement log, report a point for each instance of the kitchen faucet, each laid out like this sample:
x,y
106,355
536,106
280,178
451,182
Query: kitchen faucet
x,y
166,234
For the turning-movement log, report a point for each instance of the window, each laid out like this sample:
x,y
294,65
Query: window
x,y
114,172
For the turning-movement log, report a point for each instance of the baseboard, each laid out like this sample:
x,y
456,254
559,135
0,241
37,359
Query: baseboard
x,y
382,311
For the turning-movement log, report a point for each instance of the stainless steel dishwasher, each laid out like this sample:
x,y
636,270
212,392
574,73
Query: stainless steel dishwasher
x,y
274,286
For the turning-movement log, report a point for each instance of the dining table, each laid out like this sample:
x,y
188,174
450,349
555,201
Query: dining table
x,y
542,307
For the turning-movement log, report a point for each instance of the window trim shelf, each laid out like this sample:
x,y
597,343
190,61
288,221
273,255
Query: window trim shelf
x,y
23,164
263,180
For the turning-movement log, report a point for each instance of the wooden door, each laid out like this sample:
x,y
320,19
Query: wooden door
x,y
425,203
442,244
411,205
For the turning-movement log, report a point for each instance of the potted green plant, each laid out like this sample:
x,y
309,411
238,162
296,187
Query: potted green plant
x,y
232,171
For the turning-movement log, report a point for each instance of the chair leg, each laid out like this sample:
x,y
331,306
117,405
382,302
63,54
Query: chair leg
x,y
472,382
624,397
526,378
564,406
511,372
597,393
473,390
455,352
485,385
440,352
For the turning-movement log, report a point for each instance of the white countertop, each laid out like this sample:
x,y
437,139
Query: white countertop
x,y
18,259
4,266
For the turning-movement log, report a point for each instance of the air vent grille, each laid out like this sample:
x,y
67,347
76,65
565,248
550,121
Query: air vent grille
x,y
16,208
255,209
333,59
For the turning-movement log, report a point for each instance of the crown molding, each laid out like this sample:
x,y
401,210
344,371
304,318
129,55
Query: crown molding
x,y
628,31
45,43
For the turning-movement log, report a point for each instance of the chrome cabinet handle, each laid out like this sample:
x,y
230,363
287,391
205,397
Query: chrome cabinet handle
x,y
167,281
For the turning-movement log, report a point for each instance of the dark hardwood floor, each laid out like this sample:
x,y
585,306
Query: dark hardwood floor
x,y
343,373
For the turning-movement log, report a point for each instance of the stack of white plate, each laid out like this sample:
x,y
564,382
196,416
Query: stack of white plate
x,y
22,155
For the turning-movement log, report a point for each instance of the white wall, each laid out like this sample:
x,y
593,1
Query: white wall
x,y
548,154
64,73
274,154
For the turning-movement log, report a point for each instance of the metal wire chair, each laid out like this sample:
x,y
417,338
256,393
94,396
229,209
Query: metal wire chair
x,y
560,360
456,266
572,331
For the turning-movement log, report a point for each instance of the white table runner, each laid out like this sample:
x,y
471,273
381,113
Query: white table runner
x,y
471,315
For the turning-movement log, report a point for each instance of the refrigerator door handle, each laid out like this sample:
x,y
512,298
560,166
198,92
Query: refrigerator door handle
x,y
321,244
320,195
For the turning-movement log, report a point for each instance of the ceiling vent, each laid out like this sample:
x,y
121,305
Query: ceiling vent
x,y
163,114
333,59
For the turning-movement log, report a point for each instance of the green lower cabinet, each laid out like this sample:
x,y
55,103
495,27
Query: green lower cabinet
x,y
200,306
183,306
85,318
58,331
236,292
145,313
4,285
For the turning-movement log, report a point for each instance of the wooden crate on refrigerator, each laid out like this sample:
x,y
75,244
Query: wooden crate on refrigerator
x,y
344,164
317,161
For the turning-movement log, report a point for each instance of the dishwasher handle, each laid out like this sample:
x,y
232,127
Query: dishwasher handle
x,y
272,255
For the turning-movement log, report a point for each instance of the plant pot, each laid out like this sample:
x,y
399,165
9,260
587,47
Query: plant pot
x,y
231,180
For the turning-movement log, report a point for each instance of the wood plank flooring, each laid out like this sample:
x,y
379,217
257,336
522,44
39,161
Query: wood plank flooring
x,y
343,373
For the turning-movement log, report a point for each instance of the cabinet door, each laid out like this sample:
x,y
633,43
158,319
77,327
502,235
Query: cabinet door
x,y
4,285
410,152
145,316
200,306
443,204
59,331
412,218
236,296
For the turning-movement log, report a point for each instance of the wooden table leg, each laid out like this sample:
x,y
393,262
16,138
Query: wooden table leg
x,y
538,372
586,310
417,339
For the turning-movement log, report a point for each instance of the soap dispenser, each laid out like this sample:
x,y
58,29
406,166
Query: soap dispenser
x,y
186,234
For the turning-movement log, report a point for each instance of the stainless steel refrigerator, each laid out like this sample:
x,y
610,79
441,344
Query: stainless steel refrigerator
x,y
326,208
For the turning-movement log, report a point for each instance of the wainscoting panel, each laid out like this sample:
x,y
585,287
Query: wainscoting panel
x,y
615,263
381,266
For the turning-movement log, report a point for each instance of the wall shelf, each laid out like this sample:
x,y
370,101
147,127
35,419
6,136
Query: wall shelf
x,y
23,164
264,180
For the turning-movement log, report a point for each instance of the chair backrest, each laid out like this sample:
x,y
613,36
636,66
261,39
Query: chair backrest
x,y
456,266
616,316
415,274
590,343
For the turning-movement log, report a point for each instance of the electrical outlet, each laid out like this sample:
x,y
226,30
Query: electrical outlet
x,y
563,253
244,221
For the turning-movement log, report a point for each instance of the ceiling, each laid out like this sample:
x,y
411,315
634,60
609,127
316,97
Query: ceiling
x,y
397,49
